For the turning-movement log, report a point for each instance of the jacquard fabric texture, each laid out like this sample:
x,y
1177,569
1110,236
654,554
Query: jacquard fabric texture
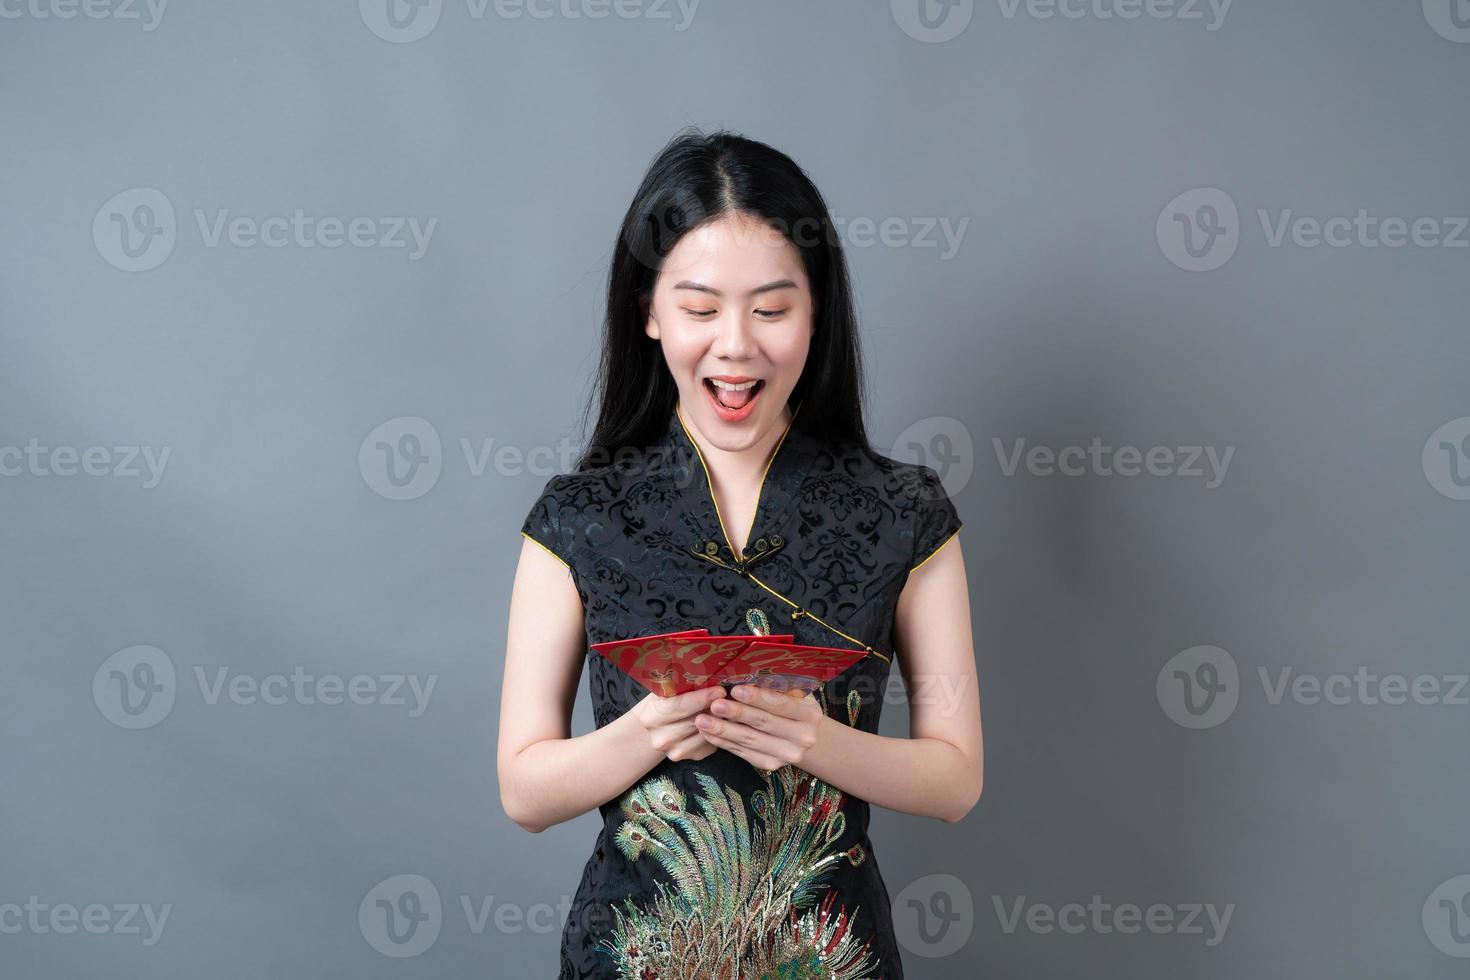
x,y
711,868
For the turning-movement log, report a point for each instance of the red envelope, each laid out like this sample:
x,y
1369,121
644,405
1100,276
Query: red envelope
x,y
673,663
788,666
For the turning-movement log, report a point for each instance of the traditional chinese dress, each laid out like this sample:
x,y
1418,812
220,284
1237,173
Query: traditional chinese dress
x,y
713,868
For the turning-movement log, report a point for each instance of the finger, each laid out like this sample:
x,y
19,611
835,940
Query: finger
x,y
689,703
758,759
749,716
683,727
724,733
691,748
786,703
778,714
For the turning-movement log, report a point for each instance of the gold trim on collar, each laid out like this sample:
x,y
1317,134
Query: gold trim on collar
x,y
760,490
741,567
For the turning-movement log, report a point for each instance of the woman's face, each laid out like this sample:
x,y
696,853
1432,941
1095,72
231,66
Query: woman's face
x,y
732,304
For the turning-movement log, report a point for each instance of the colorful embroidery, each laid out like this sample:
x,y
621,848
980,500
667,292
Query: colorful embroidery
x,y
748,900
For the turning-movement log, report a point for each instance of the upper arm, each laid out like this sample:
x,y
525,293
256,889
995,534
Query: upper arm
x,y
934,637
544,648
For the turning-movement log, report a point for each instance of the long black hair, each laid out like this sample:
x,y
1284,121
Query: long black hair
x,y
696,178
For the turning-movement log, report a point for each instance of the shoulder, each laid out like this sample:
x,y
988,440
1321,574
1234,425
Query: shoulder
x,y
906,485
926,515
584,489
568,503
579,486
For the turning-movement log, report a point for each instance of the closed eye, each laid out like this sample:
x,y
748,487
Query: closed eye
x,y
766,314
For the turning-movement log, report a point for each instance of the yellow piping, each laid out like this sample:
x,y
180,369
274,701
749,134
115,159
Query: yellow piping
x,y
547,550
710,484
813,616
935,551
756,512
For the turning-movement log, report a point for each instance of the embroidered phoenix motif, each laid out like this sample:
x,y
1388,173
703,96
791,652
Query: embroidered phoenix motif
x,y
748,901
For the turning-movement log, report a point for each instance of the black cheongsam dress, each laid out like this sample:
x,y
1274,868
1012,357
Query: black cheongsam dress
x,y
712,868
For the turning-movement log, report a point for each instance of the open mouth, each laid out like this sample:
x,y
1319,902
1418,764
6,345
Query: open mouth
x,y
733,401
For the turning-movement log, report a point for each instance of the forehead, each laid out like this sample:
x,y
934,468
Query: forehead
x,y
733,253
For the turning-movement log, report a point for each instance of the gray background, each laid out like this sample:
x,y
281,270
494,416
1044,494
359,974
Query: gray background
x,y
273,541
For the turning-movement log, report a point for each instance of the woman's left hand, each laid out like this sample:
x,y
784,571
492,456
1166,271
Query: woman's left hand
x,y
766,727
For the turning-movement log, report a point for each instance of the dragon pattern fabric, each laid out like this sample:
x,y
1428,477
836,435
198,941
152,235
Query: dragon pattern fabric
x,y
712,868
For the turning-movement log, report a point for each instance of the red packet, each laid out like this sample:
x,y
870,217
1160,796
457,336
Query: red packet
x,y
787,666
673,663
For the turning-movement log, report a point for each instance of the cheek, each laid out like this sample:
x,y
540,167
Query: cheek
x,y
791,350
682,350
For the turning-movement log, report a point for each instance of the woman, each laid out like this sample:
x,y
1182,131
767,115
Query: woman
x,y
730,485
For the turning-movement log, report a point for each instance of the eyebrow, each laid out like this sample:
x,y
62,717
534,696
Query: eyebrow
x,y
701,287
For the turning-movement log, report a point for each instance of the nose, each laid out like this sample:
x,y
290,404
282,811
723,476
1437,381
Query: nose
x,y
733,337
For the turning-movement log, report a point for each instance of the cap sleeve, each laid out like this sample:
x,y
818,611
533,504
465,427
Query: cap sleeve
x,y
546,523
935,517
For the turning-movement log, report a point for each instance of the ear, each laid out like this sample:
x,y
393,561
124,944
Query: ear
x,y
650,322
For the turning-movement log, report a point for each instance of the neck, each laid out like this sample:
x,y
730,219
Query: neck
x,y
740,467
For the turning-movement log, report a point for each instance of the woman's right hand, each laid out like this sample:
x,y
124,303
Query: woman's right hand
x,y
669,722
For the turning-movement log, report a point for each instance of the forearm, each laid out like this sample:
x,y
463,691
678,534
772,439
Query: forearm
x,y
923,776
556,779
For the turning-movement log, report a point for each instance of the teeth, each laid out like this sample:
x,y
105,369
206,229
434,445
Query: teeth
x,y
727,386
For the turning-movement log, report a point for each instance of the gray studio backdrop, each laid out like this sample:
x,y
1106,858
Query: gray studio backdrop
x,y
298,310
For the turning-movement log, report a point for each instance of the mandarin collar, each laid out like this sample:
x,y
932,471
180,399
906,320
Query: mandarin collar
x,y
779,489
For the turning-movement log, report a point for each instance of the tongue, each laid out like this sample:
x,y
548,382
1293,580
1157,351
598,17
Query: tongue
x,y
734,399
